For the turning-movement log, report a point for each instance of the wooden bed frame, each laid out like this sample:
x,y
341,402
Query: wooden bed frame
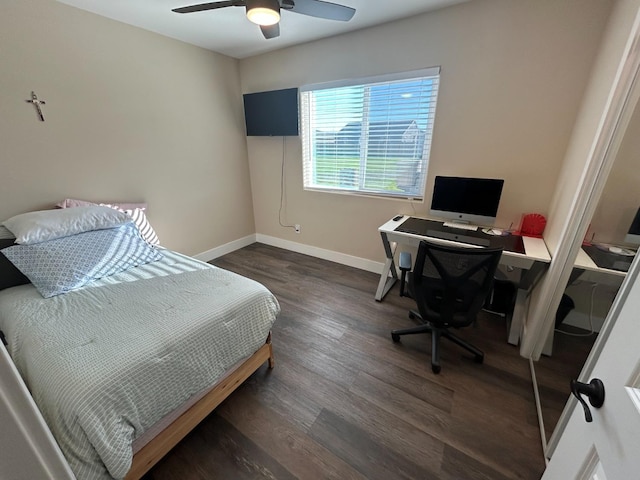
x,y
161,444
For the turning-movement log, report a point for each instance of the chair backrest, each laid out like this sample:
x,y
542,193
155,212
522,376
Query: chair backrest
x,y
450,284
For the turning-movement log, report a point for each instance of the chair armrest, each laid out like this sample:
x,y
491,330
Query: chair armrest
x,y
405,261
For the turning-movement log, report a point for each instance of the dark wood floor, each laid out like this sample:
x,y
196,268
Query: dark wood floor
x,y
553,373
345,402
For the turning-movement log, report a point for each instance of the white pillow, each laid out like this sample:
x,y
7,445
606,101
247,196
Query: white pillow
x,y
134,210
43,225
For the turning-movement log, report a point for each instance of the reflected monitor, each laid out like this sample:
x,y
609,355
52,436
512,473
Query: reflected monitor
x,y
466,200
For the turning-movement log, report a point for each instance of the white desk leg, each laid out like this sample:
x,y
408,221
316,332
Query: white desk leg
x,y
528,279
386,281
517,319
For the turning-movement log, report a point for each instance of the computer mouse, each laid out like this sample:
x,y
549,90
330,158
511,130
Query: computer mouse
x,y
616,250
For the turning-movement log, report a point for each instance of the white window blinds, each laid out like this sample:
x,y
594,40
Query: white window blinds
x,y
369,136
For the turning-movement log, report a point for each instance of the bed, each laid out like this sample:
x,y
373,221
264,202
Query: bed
x,y
123,367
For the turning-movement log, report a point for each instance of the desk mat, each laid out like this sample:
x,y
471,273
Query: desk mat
x,y
430,228
605,259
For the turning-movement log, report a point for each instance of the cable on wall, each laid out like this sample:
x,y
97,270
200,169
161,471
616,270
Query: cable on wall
x,y
282,187
413,207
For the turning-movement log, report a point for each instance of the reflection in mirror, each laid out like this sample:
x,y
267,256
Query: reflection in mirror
x,y
600,269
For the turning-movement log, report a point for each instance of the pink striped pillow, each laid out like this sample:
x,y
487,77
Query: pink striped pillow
x,y
140,219
72,202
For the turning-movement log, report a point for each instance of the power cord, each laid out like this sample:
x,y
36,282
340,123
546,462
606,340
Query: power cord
x,y
593,289
411,199
282,187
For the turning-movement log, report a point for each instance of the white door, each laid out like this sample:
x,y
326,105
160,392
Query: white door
x,y
608,448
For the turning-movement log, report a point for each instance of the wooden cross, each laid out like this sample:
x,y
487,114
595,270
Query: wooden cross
x,y
36,103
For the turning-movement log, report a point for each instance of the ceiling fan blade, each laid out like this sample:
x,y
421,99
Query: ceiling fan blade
x,y
209,6
320,9
270,31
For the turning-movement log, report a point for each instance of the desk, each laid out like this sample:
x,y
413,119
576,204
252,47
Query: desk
x,y
532,262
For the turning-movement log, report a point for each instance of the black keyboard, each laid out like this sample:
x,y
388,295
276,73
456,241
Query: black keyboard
x,y
433,229
457,237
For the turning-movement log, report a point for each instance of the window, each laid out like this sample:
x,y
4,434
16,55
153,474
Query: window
x,y
369,136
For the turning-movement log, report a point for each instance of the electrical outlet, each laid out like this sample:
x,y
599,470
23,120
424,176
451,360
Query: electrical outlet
x,y
297,228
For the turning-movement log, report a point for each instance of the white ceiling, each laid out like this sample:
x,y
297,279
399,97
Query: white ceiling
x,y
228,31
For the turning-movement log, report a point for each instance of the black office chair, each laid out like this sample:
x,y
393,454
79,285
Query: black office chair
x,y
450,285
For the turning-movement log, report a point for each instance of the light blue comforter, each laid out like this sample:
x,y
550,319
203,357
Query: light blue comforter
x,y
105,362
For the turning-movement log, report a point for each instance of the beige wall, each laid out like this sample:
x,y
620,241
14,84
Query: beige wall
x,y
621,197
513,75
589,118
130,115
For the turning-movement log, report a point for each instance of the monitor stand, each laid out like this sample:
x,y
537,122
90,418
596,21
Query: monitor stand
x,y
461,226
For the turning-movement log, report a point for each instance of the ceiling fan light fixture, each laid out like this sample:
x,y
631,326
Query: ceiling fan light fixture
x,y
263,12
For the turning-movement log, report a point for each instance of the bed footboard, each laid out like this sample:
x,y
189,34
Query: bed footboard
x,y
160,445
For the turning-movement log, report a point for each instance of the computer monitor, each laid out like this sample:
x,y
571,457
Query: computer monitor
x,y
633,236
466,200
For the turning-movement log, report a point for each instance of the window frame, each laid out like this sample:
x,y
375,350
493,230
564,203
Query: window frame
x,y
307,137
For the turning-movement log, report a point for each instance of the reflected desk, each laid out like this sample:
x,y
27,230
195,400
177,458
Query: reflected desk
x,y
528,254
597,267
594,259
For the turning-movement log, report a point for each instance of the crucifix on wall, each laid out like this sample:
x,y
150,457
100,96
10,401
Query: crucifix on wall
x,y
36,103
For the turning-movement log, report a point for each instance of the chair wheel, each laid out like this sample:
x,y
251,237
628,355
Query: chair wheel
x,y
479,358
435,368
395,337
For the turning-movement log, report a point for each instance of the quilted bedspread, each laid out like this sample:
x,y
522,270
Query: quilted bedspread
x,y
105,362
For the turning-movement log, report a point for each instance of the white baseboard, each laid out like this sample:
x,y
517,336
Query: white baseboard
x,y
342,258
337,257
226,248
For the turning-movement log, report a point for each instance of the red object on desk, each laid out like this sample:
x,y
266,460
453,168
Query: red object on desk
x,y
532,225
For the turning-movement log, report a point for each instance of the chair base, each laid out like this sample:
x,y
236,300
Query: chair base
x,y
436,333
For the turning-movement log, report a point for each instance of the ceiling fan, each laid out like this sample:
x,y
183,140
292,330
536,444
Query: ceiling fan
x,y
266,13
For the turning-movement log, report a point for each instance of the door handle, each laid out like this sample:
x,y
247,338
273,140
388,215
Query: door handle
x,y
594,390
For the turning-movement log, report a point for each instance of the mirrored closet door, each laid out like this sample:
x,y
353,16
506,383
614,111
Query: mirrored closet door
x,y
600,267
